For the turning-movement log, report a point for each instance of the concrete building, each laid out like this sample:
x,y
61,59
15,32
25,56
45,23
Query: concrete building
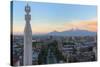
x,y
27,38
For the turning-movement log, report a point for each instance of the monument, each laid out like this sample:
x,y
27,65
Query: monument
x,y
27,38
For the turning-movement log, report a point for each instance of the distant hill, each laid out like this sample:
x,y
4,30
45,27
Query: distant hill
x,y
73,33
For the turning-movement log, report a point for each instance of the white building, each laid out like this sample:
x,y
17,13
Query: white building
x,y
27,38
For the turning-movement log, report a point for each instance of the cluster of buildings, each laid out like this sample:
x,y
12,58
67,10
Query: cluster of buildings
x,y
17,50
74,49
79,49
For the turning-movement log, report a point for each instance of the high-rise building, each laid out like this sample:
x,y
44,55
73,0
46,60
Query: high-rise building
x,y
27,38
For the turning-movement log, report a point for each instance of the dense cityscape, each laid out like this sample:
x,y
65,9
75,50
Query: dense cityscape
x,y
56,35
56,49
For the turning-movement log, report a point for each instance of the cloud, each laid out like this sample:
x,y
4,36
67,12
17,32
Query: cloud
x,y
90,25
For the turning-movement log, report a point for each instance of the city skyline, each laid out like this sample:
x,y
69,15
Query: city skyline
x,y
48,17
50,33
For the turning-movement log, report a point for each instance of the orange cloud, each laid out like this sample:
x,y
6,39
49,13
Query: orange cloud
x,y
90,25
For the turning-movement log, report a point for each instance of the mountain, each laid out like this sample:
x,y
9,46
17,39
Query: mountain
x,y
72,33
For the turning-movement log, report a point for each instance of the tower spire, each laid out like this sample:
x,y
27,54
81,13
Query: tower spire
x,y
27,8
27,38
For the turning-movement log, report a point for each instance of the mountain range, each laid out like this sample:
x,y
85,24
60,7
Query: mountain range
x,y
73,33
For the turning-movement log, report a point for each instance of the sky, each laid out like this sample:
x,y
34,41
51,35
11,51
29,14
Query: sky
x,y
48,17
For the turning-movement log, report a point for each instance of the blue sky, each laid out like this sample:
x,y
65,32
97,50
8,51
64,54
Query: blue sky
x,y
51,13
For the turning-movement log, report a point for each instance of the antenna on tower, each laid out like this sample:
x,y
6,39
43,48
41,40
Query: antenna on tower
x,y
27,8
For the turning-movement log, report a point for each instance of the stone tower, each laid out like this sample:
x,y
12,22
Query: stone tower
x,y
27,38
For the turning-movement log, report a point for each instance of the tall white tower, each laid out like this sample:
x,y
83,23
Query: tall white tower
x,y
27,38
